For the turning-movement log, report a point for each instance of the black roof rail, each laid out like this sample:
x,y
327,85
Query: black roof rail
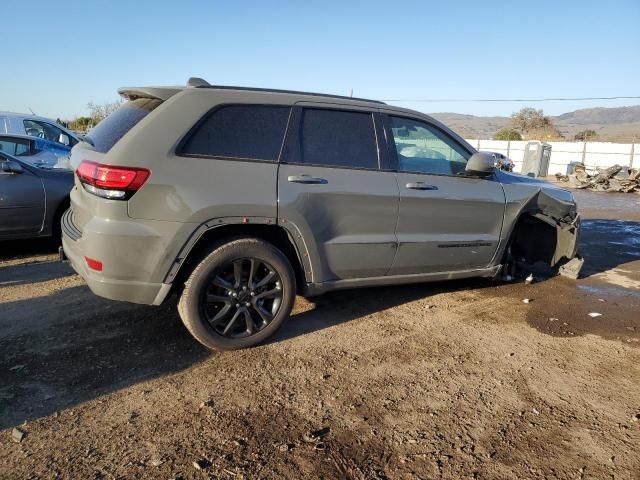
x,y
274,90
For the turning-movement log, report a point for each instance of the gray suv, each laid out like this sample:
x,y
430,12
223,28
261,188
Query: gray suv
x,y
238,199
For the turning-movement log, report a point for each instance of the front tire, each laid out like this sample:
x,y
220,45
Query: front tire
x,y
238,295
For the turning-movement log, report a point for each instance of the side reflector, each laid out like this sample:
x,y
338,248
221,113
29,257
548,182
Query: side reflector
x,y
93,264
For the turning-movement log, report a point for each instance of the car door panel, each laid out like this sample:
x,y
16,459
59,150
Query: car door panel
x,y
454,226
347,216
349,219
448,220
21,203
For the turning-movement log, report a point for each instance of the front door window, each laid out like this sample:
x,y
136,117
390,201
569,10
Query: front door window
x,y
422,148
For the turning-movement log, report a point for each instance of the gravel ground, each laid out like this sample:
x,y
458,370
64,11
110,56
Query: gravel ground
x,y
445,380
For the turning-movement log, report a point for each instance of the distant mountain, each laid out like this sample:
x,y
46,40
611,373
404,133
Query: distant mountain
x,y
619,124
606,116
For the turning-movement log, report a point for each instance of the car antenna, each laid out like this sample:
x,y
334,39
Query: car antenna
x,y
32,112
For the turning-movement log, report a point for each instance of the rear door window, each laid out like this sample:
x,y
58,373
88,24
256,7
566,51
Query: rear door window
x,y
252,132
110,130
15,146
337,138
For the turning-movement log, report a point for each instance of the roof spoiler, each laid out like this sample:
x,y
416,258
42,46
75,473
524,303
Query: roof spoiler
x,y
160,93
197,82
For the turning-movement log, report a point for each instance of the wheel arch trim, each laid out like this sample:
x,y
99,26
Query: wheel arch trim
x,y
292,232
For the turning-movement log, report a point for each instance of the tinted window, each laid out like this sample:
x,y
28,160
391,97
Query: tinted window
x,y
424,148
240,131
338,138
110,130
15,146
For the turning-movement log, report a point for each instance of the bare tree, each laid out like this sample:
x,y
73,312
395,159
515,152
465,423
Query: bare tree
x,y
100,112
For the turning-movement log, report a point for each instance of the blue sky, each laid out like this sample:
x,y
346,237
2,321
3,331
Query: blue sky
x,y
62,55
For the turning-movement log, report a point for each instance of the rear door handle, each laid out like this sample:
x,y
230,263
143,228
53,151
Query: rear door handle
x,y
306,179
420,186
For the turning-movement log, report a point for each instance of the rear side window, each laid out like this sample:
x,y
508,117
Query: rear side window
x,y
253,132
15,146
110,130
338,138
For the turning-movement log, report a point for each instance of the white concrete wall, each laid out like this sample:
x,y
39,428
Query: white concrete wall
x,y
594,154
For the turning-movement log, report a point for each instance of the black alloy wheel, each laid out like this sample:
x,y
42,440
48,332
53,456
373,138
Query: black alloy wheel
x,y
243,297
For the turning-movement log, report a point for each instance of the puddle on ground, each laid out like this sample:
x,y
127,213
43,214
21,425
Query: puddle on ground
x,y
602,290
619,277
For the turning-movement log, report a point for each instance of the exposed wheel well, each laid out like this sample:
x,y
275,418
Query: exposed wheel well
x,y
214,237
534,240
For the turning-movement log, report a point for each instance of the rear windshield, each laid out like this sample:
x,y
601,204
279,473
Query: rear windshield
x,y
110,130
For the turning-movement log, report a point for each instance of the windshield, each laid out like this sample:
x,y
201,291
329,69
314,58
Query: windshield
x,y
110,130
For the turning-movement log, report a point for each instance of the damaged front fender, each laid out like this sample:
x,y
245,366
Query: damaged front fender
x,y
541,224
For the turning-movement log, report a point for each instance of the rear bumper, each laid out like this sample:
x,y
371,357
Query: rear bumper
x,y
75,246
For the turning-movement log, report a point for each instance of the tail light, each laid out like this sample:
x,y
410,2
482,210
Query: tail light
x,y
112,182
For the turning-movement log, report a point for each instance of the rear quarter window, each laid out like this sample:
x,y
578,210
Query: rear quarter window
x,y
253,132
110,130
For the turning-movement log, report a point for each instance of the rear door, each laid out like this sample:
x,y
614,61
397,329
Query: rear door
x,y
333,186
448,220
21,202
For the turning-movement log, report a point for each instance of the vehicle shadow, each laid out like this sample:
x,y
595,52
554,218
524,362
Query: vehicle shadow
x,y
29,273
10,249
70,346
343,306
607,244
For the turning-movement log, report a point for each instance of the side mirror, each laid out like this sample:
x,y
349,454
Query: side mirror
x,y
481,163
9,166
63,139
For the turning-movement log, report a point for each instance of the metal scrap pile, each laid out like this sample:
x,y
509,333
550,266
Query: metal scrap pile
x,y
612,179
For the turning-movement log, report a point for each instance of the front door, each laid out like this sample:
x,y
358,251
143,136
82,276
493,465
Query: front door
x,y
21,202
448,220
331,187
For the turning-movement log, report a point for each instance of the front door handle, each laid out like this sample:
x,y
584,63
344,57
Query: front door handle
x,y
420,186
306,179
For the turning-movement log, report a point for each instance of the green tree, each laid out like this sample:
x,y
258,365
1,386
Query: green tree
x,y
585,135
507,134
534,124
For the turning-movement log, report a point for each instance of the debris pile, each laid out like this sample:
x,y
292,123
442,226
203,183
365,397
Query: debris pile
x,y
611,179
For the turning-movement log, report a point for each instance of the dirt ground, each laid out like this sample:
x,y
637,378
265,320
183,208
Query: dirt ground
x,y
444,380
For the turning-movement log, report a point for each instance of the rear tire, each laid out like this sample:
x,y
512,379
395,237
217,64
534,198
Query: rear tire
x,y
238,295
